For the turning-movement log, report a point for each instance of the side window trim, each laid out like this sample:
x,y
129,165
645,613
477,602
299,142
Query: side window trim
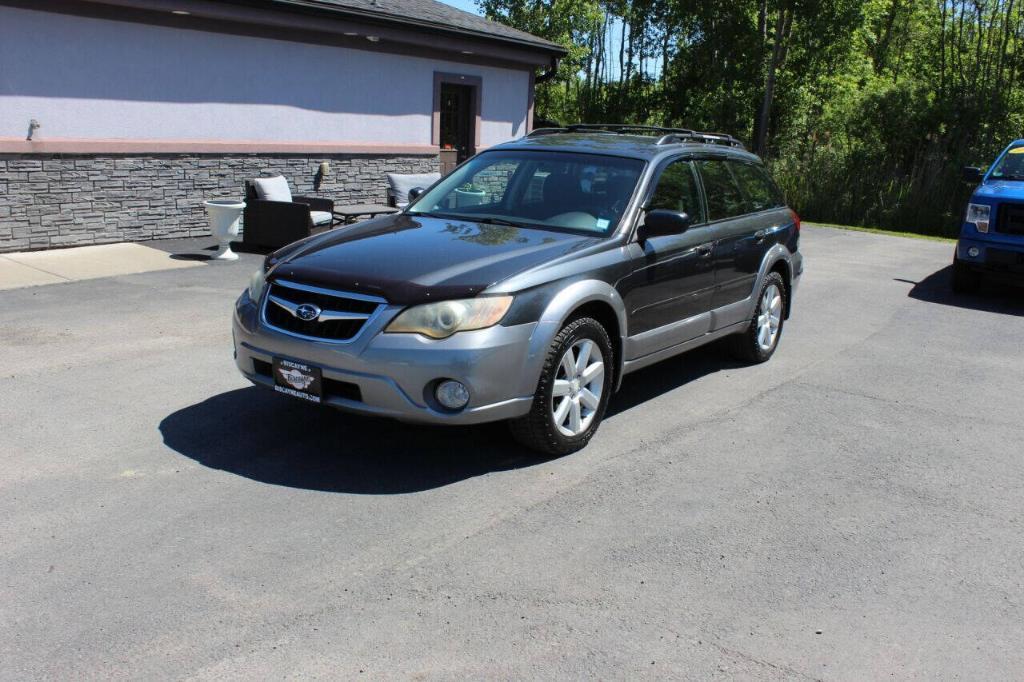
x,y
704,214
705,204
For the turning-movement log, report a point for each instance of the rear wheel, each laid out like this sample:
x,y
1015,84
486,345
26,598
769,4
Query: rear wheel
x,y
572,393
965,280
757,343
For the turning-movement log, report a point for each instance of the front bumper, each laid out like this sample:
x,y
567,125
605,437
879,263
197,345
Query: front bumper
x,y
395,373
1002,258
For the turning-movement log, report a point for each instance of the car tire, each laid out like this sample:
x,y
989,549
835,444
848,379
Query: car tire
x,y
757,343
965,280
572,394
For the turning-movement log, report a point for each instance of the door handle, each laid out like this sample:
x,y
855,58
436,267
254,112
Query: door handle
x,y
704,250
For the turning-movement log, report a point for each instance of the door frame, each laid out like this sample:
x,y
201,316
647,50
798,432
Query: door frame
x,y
475,84
672,248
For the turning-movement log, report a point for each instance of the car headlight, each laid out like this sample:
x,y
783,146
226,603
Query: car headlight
x,y
442,319
978,215
256,284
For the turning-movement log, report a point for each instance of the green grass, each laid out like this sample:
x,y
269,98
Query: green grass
x,y
891,233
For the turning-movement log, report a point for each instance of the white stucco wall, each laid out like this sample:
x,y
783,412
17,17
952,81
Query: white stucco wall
x,y
87,78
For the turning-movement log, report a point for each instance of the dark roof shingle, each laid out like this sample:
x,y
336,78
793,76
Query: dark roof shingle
x,y
428,13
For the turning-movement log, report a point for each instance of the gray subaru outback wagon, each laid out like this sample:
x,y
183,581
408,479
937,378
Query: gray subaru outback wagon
x,y
524,285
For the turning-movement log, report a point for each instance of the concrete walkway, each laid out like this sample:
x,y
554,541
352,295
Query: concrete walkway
x,y
34,268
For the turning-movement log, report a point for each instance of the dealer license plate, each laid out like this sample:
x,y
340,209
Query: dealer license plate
x,y
298,380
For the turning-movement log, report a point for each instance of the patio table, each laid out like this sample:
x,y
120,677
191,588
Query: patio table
x,y
348,213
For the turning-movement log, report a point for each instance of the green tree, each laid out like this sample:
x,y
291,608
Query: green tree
x,y
865,109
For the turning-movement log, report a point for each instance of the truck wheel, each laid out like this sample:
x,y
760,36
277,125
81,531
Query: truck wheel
x,y
757,343
572,393
965,280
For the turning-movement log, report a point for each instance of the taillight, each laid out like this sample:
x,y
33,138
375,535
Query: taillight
x,y
796,220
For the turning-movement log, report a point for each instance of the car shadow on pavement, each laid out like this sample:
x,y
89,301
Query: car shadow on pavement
x,y
668,375
993,297
258,434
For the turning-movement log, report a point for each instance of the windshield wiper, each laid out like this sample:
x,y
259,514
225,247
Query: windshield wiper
x,y
492,220
470,218
442,216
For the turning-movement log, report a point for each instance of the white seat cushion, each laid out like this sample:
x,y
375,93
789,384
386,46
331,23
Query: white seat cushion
x,y
399,185
321,217
273,189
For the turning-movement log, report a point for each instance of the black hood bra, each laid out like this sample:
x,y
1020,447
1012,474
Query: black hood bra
x,y
416,259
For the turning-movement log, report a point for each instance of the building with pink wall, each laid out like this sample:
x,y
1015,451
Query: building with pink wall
x,y
138,110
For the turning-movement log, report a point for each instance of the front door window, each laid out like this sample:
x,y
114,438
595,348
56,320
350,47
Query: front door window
x,y
677,191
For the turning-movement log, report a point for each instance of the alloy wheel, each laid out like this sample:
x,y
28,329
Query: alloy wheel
x,y
579,383
769,317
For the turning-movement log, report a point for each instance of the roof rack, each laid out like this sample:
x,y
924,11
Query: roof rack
x,y
667,135
704,138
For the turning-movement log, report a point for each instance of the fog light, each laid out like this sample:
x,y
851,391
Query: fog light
x,y
973,252
452,394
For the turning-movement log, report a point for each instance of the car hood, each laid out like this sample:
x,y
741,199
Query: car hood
x,y
410,259
1001,190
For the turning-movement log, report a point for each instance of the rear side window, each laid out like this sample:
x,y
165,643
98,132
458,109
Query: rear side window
x,y
760,191
677,191
723,194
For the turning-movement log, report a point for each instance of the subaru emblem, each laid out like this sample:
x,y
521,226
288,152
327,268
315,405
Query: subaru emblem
x,y
307,312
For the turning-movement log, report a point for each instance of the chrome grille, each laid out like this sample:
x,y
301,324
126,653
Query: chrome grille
x,y
315,313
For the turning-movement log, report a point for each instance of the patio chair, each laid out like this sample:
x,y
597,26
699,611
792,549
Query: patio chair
x,y
274,217
399,185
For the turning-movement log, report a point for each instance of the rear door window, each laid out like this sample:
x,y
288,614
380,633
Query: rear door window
x,y
724,198
760,192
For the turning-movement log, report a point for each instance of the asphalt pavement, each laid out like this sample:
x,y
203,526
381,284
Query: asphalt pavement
x,y
852,510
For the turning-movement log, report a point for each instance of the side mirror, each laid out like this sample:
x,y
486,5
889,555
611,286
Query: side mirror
x,y
661,222
972,174
415,192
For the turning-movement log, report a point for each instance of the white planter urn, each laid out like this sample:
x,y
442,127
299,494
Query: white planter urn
x,y
224,215
469,197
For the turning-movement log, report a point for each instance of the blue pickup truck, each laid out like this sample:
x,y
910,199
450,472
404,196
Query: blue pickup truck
x,y
991,240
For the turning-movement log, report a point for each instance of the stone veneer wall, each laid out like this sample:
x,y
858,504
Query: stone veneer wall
x,y
69,200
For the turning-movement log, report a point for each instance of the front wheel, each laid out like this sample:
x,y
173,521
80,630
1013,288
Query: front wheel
x,y
572,393
757,343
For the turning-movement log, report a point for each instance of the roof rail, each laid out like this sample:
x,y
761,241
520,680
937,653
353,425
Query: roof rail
x,y
667,135
537,132
623,128
704,138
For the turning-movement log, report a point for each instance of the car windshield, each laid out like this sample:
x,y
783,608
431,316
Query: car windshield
x,y
553,190
1011,166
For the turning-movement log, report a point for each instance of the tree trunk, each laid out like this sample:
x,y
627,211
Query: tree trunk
x,y
881,51
622,52
783,30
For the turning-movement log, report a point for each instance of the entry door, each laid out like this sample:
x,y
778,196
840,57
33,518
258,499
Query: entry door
x,y
458,119
668,294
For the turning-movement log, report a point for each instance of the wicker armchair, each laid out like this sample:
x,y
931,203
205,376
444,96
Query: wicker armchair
x,y
272,223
